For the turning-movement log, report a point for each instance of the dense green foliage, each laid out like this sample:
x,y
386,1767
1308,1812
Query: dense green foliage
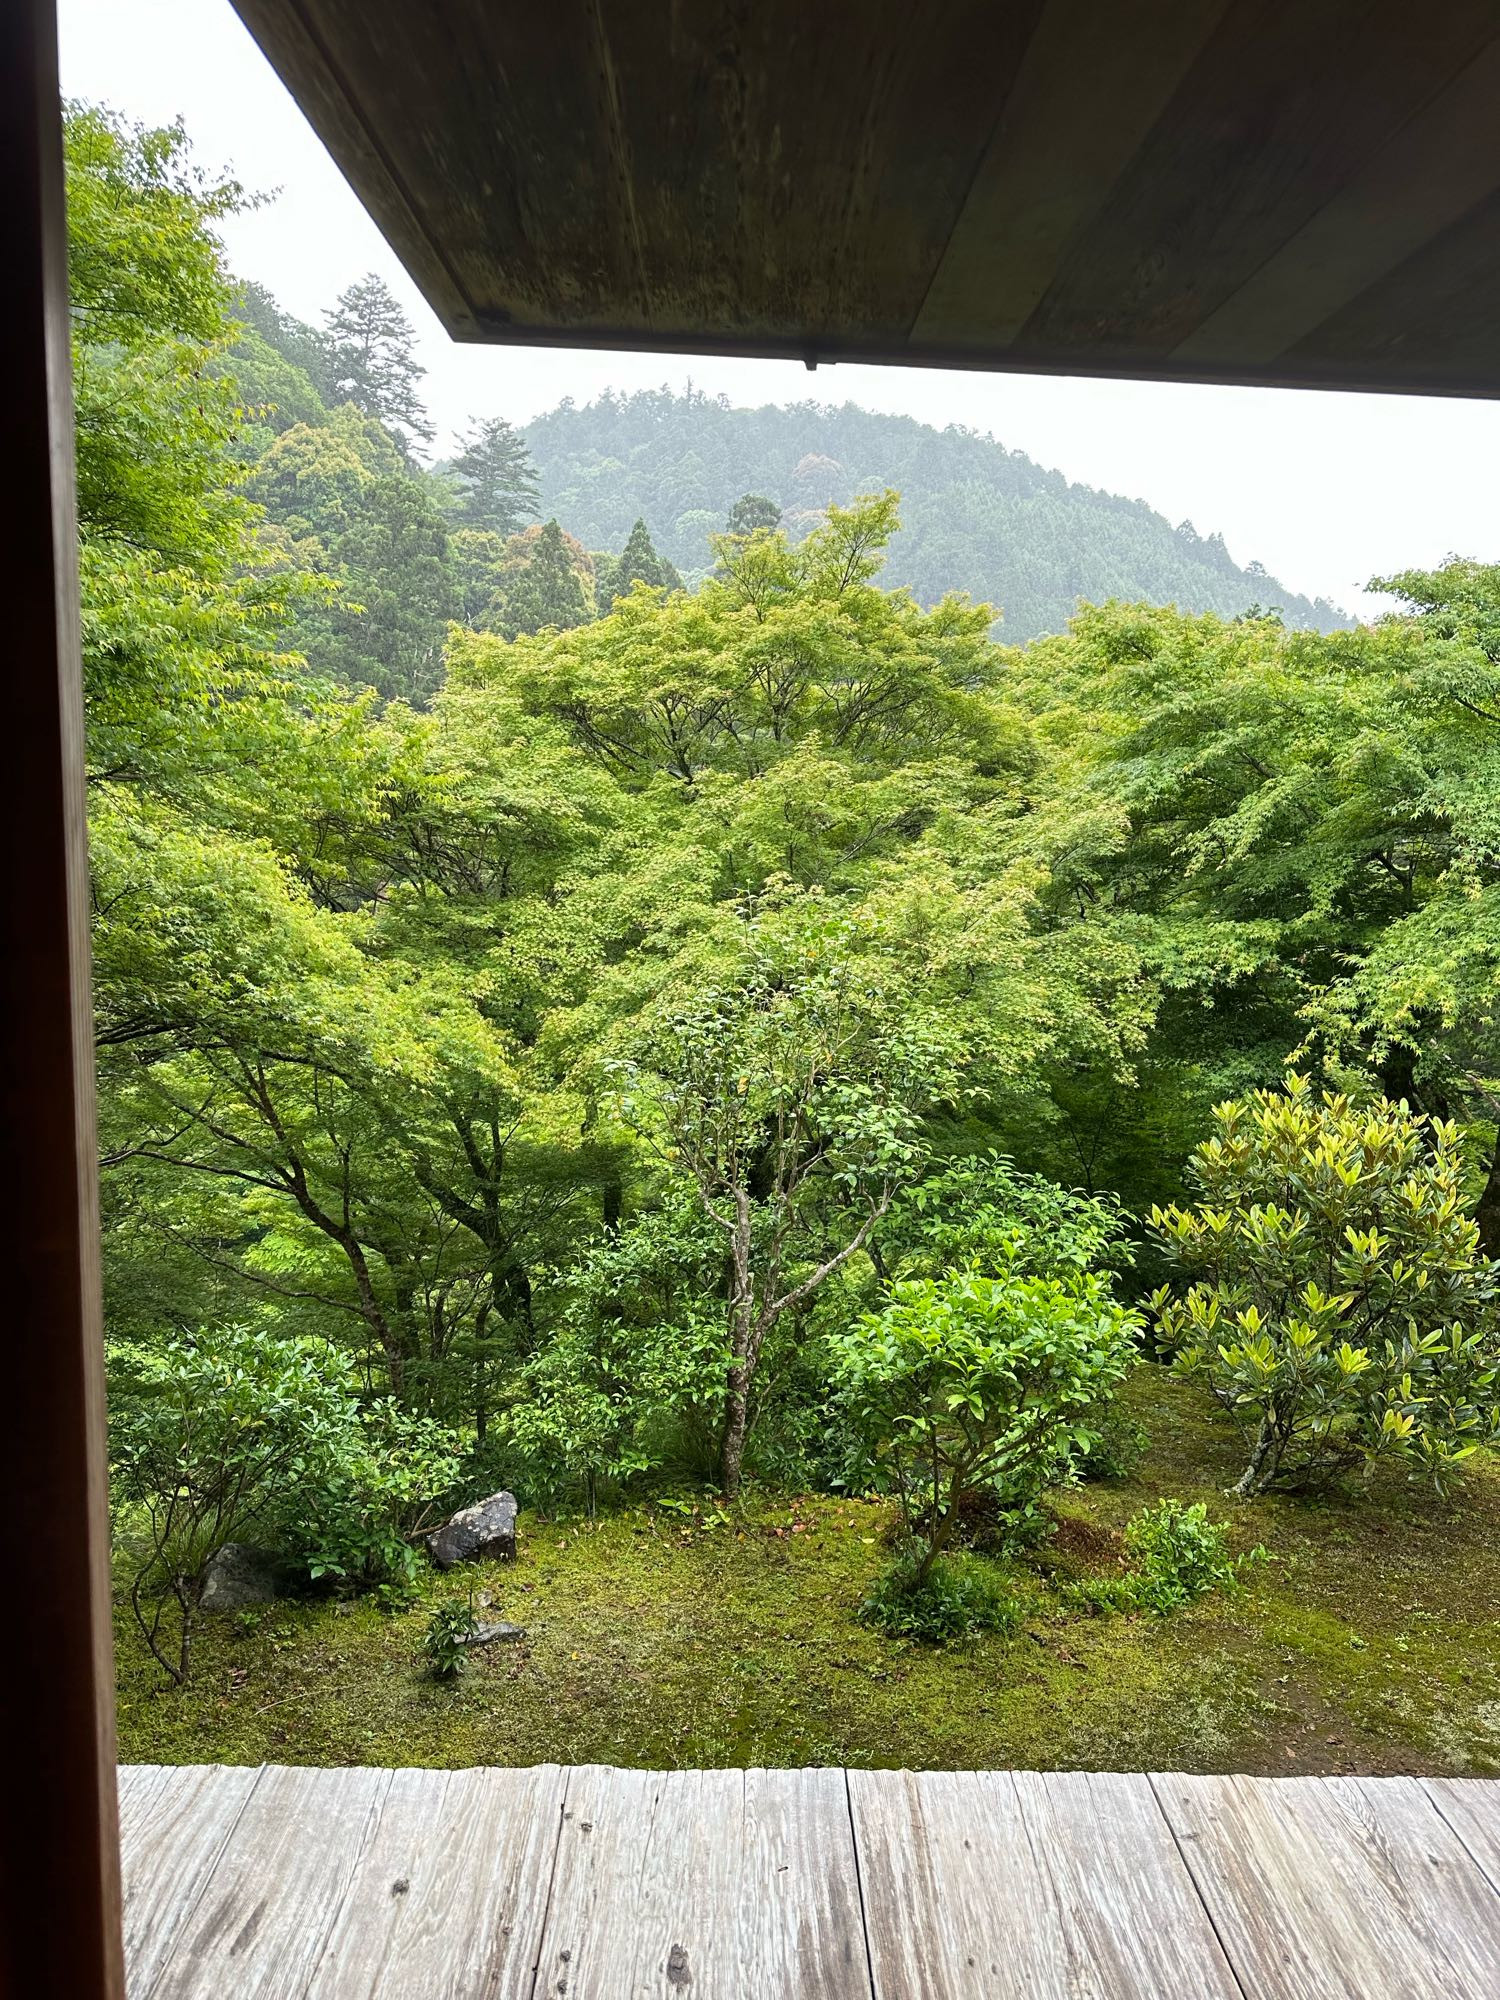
x,y
975,517
1339,1308
232,1436
1174,1555
970,1384
940,1599
605,1036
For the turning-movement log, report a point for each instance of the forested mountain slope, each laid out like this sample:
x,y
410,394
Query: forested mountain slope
x,y
975,516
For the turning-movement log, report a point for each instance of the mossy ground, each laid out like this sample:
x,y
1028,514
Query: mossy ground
x,y
1370,1641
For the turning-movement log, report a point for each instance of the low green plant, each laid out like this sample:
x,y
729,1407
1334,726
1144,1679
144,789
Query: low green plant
x,y
446,1642
1117,1443
1177,1555
1338,1306
939,1601
969,1382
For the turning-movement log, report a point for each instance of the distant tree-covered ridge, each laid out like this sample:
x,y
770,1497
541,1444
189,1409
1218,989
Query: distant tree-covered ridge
x,y
975,517
635,486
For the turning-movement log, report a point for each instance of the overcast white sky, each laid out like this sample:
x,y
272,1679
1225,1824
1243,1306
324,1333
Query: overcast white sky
x,y
1325,490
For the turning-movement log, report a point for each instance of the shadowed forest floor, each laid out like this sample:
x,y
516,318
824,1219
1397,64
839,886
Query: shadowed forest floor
x,y
1369,1642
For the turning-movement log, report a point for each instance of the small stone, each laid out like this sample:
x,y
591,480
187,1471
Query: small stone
x,y
238,1575
488,1528
487,1635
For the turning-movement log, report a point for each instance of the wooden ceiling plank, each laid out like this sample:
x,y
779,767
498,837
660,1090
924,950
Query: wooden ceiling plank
x,y
1431,324
1289,101
1092,85
1288,192
1441,164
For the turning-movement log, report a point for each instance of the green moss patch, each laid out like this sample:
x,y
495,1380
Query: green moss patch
x,y
1369,1641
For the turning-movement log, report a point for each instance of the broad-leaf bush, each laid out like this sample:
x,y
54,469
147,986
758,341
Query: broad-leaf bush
x,y
968,1382
981,1213
234,1434
633,1377
1336,1303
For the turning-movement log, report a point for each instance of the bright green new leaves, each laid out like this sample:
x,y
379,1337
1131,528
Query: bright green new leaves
x,y
1337,1304
785,645
965,1382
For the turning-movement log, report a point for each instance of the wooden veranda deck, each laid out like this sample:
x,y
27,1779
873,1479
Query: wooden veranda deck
x,y
598,1884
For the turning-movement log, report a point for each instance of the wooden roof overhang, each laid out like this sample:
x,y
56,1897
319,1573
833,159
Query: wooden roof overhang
x,y
1288,192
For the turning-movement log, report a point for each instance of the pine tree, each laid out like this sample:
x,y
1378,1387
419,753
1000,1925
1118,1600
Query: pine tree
x,y
371,362
497,480
546,591
639,563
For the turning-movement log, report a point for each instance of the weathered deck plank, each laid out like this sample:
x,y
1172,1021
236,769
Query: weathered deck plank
x,y
1120,1886
717,1884
452,1890
599,1884
174,1824
992,1884
274,1896
1471,1809
1337,1886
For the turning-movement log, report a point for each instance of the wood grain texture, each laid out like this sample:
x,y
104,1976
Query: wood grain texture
x,y
1120,1889
1235,190
1067,131
713,1884
175,1822
265,1914
1337,1886
1472,1808
1441,164
987,1884
598,1884
451,1891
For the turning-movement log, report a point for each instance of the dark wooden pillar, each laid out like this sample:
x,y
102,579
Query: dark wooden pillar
x,y
59,1847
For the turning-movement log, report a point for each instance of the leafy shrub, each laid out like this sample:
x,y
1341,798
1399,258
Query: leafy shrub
x,y
1339,1308
635,1369
938,1601
1116,1445
1178,1556
981,1213
968,1382
445,1643
371,1494
233,1434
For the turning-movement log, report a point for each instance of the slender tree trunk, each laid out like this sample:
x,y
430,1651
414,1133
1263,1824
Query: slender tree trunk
x,y
1257,1475
938,1537
741,1360
481,1377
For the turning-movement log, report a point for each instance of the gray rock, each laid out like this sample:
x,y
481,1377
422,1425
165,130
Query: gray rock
x,y
486,1635
239,1575
488,1528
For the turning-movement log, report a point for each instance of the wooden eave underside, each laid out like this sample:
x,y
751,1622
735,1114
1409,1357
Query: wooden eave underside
x,y
1288,192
